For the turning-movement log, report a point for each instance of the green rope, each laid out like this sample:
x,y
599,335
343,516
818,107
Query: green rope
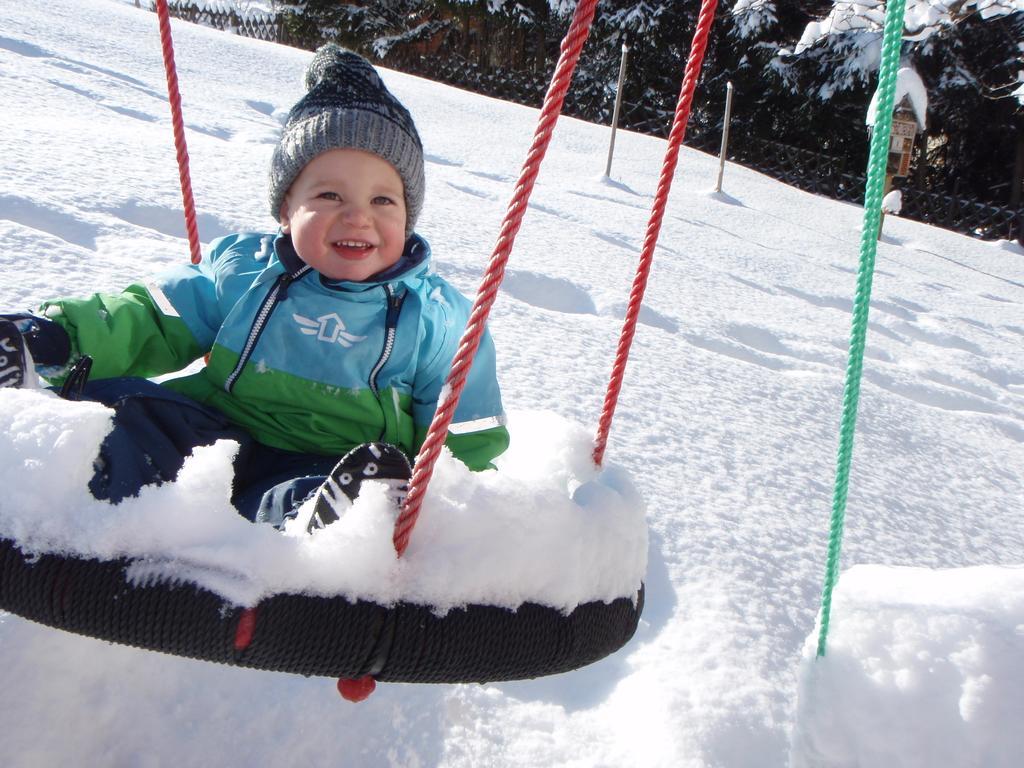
x,y
891,39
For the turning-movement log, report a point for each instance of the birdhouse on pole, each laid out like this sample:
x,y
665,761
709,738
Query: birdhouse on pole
x,y
905,128
908,119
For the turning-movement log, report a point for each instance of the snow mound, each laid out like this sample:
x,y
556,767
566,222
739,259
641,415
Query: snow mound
x,y
922,668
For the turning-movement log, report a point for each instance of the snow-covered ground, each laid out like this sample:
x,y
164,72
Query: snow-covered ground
x,y
727,428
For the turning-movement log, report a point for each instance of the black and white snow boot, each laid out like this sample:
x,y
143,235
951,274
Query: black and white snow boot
x,y
370,461
13,355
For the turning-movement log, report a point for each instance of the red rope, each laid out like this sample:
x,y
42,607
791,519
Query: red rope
x,y
174,97
682,115
438,432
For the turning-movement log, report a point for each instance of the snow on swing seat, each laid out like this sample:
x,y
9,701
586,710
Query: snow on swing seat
x,y
544,556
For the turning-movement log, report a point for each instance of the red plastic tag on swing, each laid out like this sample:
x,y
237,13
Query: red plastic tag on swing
x,y
356,690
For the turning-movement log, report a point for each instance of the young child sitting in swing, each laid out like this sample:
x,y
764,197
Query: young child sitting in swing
x,y
329,342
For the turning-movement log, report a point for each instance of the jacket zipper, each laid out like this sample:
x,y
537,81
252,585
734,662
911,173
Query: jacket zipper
x,y
390,330
273,298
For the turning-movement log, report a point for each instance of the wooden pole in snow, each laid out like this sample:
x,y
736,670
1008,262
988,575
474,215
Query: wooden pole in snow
x,y
618,106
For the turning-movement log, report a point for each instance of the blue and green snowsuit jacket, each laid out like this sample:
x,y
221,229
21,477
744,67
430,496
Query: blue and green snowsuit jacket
x,y
302,363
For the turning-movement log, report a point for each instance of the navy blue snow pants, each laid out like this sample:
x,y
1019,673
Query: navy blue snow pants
x,y
154,430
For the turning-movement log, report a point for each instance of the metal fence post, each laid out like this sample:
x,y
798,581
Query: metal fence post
x,y
618,106
725,135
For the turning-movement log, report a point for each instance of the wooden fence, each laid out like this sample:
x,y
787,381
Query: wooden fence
x,y
811,171
258,25
989,222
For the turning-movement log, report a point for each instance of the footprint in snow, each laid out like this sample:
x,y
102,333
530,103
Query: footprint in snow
x,y
263,107
1010,380
912,306
953,382
975,323
553,293
105,77
53,221
132,113
438,160
831,302
168,221
853,270
949,396
751,284
618,242
471,191
896,309
937,338
768,342
1011,429
881,330
647,316
739,351
760,346
608,199
217,133
491,176
993,297
22,48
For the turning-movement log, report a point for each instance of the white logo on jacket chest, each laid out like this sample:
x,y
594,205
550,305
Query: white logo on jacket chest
x,y
329,328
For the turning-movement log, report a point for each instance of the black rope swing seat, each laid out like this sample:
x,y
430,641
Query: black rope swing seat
x,y
309,635
187,589
142,599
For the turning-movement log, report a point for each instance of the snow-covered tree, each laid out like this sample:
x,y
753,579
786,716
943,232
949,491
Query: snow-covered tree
x,y
375,28
803,71
853,30
969,54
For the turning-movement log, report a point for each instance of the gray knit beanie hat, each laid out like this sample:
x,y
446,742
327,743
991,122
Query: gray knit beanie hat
x,y
348,107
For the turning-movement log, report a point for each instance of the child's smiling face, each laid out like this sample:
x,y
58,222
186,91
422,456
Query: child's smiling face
x,y
346,214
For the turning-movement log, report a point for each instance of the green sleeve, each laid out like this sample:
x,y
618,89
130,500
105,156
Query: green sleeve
x,y
126,334
474,449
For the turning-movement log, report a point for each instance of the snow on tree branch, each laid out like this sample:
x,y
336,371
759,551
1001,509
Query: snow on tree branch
x,y
923,18
751,16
